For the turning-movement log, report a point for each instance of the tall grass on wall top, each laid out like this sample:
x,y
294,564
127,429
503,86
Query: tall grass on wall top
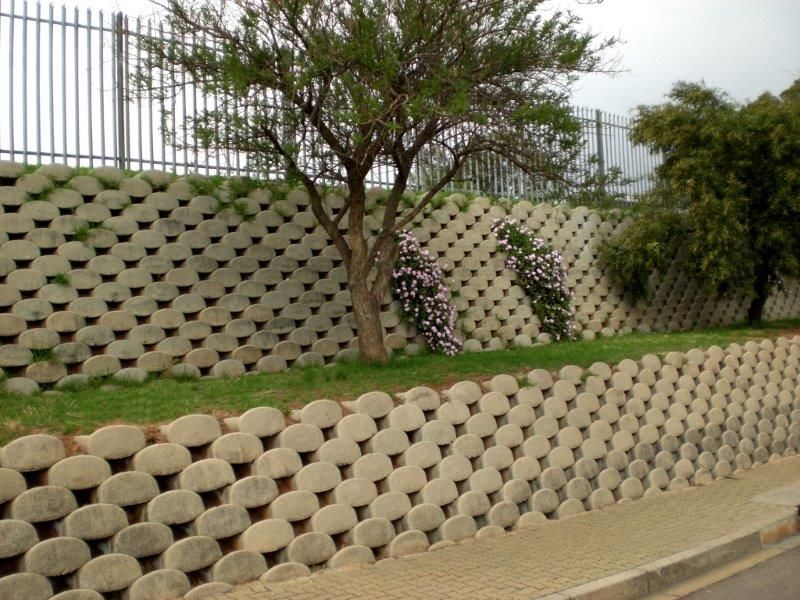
x,y
418,284
541,274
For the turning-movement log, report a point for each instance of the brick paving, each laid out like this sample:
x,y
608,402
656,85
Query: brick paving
x,y
557,555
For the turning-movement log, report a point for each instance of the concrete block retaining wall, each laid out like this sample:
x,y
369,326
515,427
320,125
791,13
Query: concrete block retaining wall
x,y
263,496
114,275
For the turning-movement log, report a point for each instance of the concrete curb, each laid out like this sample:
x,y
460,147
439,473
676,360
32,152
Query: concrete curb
x,y
664,572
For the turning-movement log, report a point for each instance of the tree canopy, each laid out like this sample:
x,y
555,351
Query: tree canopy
x,y
334,89
727,199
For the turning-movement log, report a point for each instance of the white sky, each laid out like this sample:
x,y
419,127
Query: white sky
x,y
745,47
742,46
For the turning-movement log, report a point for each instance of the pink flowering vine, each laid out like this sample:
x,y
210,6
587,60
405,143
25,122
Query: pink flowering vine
x,y
418,284
540,273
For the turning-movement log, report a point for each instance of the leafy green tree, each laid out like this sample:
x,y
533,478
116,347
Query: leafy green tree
x,y
727,200
333,90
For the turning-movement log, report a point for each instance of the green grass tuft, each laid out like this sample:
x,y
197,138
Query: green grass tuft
x,y
107,182
61,279
43,355
82,233
239,207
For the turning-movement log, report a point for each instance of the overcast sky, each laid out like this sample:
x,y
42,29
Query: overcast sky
x,y
745,47
742,46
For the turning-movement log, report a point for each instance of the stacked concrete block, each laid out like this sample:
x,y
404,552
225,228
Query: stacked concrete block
x,y
108,275
271,497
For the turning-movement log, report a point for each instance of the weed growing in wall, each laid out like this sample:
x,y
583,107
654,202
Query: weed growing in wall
x,y
82,233
61,279
418,284
43,355
541,274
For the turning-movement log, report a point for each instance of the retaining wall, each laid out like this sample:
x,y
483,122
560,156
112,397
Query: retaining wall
x,y
125,276
260,496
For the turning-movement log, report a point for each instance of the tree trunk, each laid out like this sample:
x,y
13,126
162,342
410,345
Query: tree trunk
x,y
366,309
367,312
755,312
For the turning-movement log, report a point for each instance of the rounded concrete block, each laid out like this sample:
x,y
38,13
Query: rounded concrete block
x,y
95,522
423,517
237,448
503,514
357,427
408,543
467,392
238,567
206,475
262,422
100,366
355,492
311,548
600,498
389,442
32,453
251,492
285,572
142,540
294,506
56,556
21,386
278,463
162,459
41,504
174,507
114,442
321,413
457,528
317,477
159,585
338,451
351,556
131,375
334,519
486,480
127,488
193,430
16,537
191,554
301,437
372,532
531,520
109,573
472,503
266,536
221,522
13,355
25,586
423,397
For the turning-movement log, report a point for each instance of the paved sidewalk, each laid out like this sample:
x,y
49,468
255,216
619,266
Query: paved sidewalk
x,y
558,555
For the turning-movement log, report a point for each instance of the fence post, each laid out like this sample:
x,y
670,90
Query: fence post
x,y
601,156
120,95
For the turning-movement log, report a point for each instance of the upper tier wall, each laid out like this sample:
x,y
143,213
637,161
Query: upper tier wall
x,y
109,274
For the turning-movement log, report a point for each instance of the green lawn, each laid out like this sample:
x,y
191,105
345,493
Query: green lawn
x,y
158,401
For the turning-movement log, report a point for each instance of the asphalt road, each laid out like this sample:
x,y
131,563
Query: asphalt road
x,y
775,579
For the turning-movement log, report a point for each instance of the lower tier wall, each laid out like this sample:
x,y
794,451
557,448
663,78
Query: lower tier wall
x,y
264,496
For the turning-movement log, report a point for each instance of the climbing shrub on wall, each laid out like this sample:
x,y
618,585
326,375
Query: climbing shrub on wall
x,y
541,274
418,284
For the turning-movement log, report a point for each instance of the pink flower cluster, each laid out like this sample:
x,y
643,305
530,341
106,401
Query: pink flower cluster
x,y
418,284
540,273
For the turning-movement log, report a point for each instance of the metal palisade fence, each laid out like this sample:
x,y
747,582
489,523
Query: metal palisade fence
x,y
65,83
